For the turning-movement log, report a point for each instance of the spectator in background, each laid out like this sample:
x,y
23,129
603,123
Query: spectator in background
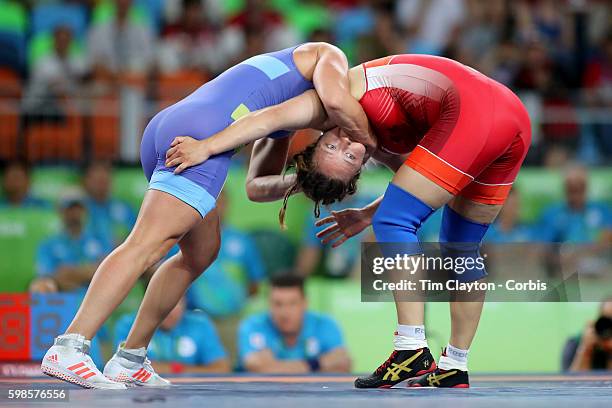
x,y
507,227
289,338
383,39
120,46
67,261
192,43
597,82
16,188
109,219
540,74
592,350
265,29
429,24
476,40
223,290
578,219
185,342
54,78
542,21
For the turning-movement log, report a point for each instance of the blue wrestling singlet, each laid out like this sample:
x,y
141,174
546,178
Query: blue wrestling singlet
x,y
260,81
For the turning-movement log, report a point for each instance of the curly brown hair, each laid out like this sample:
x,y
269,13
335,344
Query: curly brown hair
x,y
315,185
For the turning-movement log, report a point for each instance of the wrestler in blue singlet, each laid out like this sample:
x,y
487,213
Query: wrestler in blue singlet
x,y
259,82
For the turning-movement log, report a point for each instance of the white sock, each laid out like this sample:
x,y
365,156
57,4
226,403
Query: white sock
x,y
409,337
76,340
454,358
141,352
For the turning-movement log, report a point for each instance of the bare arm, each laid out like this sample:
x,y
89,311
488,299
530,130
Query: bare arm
x,y
330,78
72,277
300,112
264,362
584,353
307,260
391,161
265,180
583,359
336,361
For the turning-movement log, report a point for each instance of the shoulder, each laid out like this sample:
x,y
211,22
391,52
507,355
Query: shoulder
x,y
597,213
598,206
307,55
553,209
197,318
120,209
320,319
235,241
233,233
259,321
53,241
93,245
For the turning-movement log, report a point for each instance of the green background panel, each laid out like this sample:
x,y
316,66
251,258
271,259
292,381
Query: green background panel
x,y
513,337
537,187
20,233
13,17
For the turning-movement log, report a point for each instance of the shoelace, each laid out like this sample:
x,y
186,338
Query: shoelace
x,y
387,362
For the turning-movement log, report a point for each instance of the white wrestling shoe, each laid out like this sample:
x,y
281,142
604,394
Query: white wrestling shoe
x,y
68,360
132,367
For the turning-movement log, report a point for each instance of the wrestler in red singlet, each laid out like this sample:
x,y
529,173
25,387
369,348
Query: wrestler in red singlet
x,y
466,132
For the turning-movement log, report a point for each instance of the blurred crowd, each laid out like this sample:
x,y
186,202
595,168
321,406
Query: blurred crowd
x,y
208,330
556,54
287,337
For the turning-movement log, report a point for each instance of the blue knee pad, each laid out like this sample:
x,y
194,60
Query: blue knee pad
x,y
398,217
460,237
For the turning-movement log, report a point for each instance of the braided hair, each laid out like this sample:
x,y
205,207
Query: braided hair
x,y
315,185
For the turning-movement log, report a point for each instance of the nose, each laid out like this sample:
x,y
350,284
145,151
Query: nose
x,y
344,139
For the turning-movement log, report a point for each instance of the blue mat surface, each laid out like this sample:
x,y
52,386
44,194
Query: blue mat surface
x,y
581,391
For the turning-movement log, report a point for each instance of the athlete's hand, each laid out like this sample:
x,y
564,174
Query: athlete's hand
x,y
185,152
344,225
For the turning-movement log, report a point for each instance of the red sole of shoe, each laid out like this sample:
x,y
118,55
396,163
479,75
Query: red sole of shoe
x,y
51,372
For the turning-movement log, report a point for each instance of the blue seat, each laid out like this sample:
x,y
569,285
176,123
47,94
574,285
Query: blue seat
x,y
155,10
12,50
46,17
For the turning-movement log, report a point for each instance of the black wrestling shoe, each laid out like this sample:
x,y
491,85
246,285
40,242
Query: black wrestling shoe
x,y
400,366
441,378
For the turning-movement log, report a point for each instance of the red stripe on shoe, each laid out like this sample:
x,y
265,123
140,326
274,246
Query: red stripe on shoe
x,y
81,371
86,376
137,373
78,365
146,377
141,375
